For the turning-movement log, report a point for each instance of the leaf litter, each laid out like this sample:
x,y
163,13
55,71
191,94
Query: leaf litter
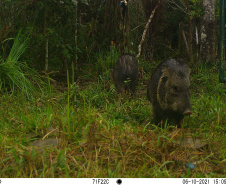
x,y
125,150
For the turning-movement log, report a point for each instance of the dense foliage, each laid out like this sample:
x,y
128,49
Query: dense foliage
x,y
77,31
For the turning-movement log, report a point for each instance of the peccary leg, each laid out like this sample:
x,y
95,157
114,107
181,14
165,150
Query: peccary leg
x,y
120,87
132,87
179,121
157,115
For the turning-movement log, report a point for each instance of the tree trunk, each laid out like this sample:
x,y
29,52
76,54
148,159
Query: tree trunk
x,y
47,43
75,62
127,30
112,21
148,45
47,55
190,32
208,38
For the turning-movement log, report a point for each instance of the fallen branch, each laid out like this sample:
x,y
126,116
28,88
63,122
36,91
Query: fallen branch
x,y
145,29
186,43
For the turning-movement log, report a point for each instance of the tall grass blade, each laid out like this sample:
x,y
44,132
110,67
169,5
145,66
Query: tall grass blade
x,y
13,73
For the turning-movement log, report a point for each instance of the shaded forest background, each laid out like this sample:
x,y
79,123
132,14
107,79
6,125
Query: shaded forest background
x,y
62,32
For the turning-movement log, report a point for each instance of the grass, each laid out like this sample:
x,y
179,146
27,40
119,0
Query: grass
x,y
100,134
16,75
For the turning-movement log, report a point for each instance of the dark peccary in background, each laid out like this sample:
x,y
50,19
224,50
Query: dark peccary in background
x,y
168,91
125,74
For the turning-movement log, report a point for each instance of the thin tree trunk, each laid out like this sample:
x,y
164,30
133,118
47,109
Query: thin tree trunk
x,y
75,63
47,43
197,42
181,39
47,55
127,28
3,27
208,38
190,33
125,25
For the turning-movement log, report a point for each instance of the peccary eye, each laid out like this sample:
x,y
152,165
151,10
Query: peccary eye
x,y
164,79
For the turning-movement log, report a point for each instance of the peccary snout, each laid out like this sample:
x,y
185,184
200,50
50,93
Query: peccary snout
x,y
177,96
187,112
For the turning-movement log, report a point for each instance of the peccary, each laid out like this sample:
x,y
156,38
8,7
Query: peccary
x,y
125,74
168,91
